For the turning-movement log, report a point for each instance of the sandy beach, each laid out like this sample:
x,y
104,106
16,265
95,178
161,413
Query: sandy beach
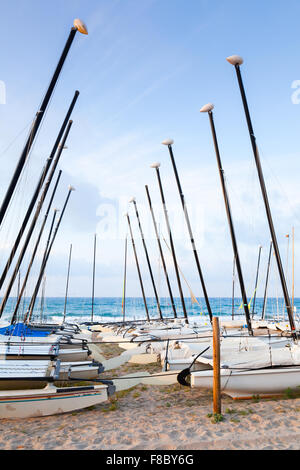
x,y
154,417
169,417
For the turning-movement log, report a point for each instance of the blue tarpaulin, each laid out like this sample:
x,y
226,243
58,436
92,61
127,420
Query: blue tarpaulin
x,y
20,329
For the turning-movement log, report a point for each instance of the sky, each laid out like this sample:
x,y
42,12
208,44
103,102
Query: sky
x,y
143,72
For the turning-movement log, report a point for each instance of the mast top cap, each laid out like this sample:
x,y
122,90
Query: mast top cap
x,y
71,188
155,165
235,60
132,199
168,142
80,26
207,108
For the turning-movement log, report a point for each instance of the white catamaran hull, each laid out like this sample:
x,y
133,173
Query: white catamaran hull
x,y
246,384
49,401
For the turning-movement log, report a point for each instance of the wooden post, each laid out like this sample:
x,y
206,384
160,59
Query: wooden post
x,y
216,366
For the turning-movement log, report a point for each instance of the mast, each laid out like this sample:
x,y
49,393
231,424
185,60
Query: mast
x,y
124,282
293,269
138,267
208,109
37,190
19,283
78,26
161,253
43,267
93,284
34,221
169,144
147,257
35,249
233,282
67,285
256,280
267,281
44,257
236,61
156,167
43,298
50,234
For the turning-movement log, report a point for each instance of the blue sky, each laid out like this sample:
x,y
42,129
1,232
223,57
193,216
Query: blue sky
x,y
144,71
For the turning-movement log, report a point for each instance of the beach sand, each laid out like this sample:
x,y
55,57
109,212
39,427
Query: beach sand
x,y
159,417
162,418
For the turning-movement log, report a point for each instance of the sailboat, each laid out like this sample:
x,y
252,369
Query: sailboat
x,y
35,355
27,390
251,373
264,372
50,400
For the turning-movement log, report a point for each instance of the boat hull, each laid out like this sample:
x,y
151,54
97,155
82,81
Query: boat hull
x,y
246,384
49,401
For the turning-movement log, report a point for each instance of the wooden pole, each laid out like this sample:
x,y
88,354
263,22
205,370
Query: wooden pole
x,y
216,367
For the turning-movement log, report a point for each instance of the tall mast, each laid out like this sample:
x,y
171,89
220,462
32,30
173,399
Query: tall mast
x,y
147,257
55,212
19,283
156,167
293,269
37,191
124,282
35,249
138,267
256,280
43,298
93,284
78,26
233,283
267,281
34,221
236,61
161,253
45,260
67,285
208,109
169,144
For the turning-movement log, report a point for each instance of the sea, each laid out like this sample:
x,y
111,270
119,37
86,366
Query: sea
x,y
113,309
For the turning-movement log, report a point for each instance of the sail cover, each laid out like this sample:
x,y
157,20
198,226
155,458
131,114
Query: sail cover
x,y
20,329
